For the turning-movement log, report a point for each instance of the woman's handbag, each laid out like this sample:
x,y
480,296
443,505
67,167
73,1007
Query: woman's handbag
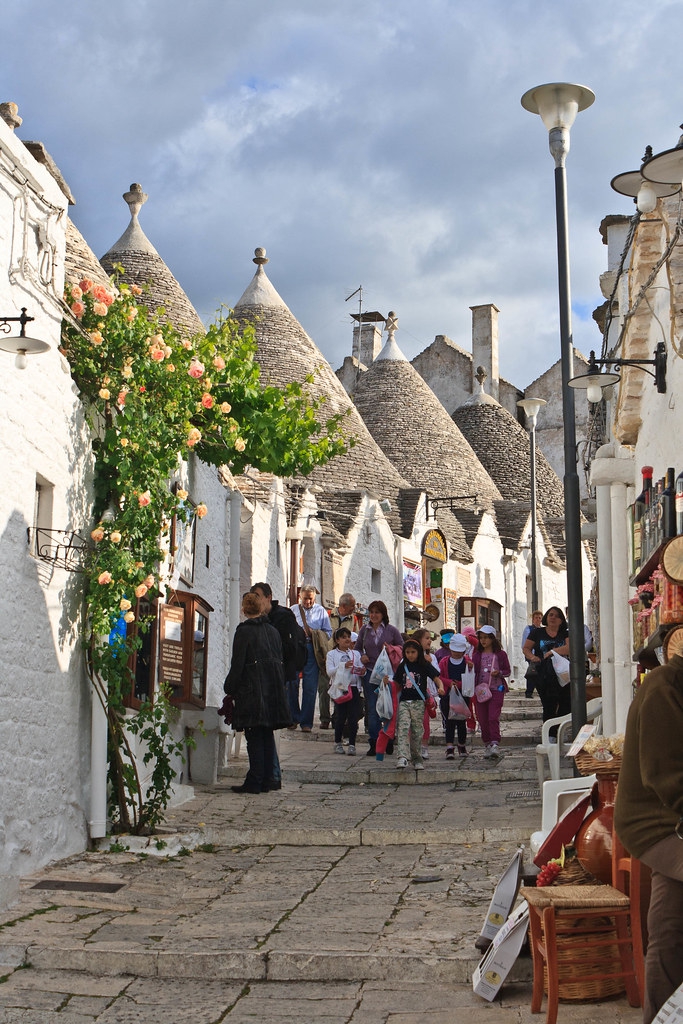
x,y
457,706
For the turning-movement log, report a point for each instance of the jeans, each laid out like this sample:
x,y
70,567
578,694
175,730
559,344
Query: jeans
x,y
324,698
309,688
292,688
374,723
260,748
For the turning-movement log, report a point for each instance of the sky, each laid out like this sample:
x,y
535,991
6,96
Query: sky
x,y
378,143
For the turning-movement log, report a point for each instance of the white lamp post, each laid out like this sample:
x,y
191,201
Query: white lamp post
x,y
532,407
558,104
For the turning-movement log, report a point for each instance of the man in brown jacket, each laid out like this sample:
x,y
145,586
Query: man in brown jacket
x,y
649,821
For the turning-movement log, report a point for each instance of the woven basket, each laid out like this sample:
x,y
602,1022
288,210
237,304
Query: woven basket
x,y
588,765
574,873
571,965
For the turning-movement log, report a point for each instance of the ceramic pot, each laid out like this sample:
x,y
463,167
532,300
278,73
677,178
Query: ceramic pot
x,y
594,839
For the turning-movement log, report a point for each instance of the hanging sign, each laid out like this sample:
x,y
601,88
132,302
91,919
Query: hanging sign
x,y
434,546
412,582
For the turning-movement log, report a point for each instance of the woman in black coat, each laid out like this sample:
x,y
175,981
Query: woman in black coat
x,y
256,682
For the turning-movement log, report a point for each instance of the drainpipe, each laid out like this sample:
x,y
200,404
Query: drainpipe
x,y
97,825
234,596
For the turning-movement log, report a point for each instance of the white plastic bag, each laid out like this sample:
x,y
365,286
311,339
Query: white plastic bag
x,y
467,682
382,668
561,666
457,707
385,703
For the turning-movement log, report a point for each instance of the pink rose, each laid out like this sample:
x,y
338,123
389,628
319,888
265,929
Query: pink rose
x,y
144,499
226,408
240,445
85,285
187,344
196,369
105,394
101,294
104,577
219,363
194,437
201,511
157,355
78,308
115,537
140,590
124,604
136,289
149,581
97,534
76,292
121,400
129,617
96,338
99,308
207,401
132,313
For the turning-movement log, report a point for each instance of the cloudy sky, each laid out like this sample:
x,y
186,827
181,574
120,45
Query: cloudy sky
x,y
362,142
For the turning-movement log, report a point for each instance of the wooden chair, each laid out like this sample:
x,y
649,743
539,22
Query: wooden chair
x,y
586,940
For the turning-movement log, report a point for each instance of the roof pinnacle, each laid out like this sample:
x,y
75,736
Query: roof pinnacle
x,y
260,257
136,199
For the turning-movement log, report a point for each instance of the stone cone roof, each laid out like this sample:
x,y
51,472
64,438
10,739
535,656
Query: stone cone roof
x,y
80,261
416,433
503,447
144,266
286,353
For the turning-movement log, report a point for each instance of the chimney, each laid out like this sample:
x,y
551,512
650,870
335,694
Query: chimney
x,y
367,336
485,345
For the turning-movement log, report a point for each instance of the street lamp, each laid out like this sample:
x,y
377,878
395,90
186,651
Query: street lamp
x,y
532,407
20,345
558,104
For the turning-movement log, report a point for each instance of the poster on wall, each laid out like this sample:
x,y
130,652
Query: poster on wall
x,y
450,608
412,582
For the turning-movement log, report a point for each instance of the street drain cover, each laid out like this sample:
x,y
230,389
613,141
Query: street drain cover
x,y
73,886
524,794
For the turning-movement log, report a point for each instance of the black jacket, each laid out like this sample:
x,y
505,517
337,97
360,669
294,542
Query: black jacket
x,y
256,679
291,635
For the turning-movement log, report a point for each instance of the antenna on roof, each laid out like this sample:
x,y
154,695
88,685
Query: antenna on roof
x,y
356,344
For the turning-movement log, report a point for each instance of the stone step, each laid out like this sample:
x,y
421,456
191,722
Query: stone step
x,y
505,769
254,965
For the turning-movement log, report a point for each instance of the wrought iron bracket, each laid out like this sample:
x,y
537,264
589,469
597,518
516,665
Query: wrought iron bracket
x,y
65,549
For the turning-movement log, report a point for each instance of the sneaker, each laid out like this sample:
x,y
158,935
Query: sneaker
x,y
462,750
450,753
351,749
402,762
495,750
487,751
418,766
425,753
339,748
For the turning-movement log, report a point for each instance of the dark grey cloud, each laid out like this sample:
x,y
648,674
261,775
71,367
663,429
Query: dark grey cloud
x,y
373,142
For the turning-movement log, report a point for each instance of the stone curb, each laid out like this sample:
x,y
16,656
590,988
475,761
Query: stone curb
x,y
394,777
363,836
275,965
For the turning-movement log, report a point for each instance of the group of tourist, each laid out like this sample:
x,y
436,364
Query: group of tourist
x,y
284,657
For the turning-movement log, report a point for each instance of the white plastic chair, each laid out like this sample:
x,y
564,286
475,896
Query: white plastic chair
x,y
553,751
558,795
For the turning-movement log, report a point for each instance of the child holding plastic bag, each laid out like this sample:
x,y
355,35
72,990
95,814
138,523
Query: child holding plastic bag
x,y
452,668
411,678
345,671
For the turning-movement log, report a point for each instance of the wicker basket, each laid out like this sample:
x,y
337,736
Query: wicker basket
x,y
588,765
571,965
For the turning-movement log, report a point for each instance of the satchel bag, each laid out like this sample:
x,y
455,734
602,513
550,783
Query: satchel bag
x,y
457,706
482,693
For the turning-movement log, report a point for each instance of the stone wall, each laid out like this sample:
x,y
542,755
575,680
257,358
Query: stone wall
x,y
44,727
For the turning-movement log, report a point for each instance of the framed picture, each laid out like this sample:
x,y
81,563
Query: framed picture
x,y
183,544
412,583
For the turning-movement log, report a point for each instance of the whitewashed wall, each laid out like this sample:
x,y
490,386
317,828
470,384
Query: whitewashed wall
x,y
44,726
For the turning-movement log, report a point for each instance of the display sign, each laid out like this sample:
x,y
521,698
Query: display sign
x,y
412,582
171,644
434,546
450,608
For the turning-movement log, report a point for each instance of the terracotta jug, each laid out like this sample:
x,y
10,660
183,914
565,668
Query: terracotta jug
x,y
594,839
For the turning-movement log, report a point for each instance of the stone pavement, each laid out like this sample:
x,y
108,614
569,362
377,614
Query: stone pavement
x,y
353,895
